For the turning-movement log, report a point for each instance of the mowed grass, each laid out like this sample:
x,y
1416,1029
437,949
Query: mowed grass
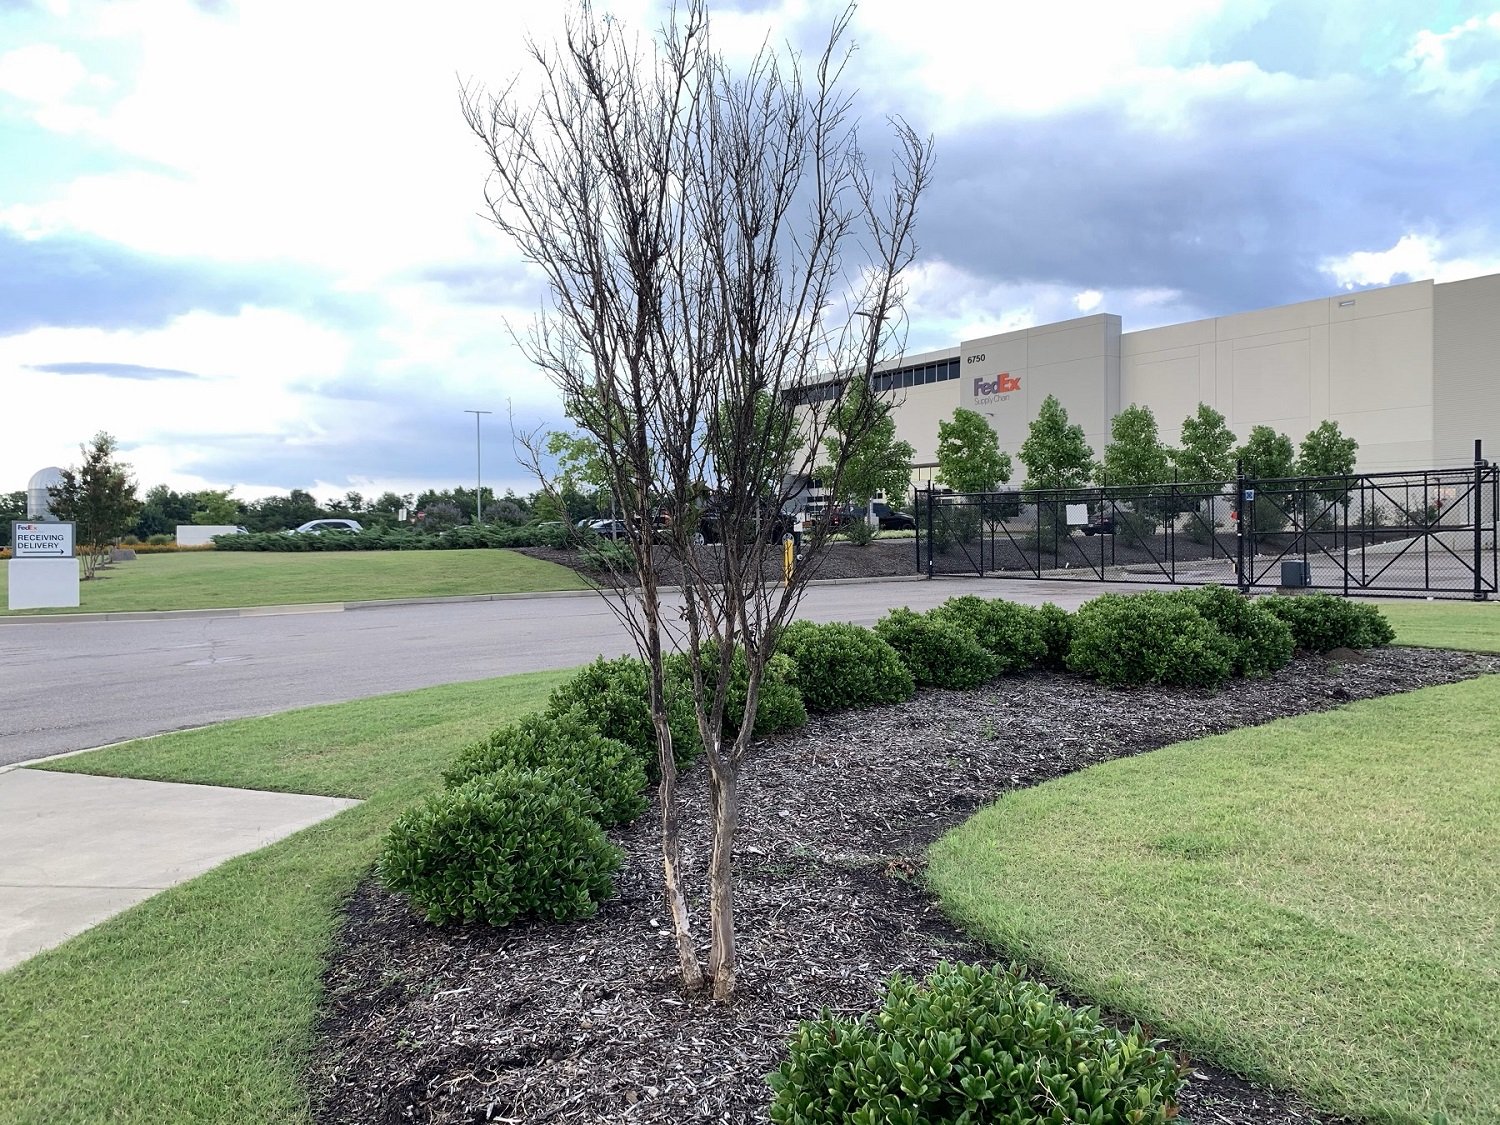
x,y
1471,626
1314,902
199,1004
210,580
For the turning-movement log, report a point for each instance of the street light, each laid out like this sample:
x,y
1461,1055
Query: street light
x,y
478,487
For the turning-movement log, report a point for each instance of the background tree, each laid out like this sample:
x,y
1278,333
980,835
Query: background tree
x,y
1268,455
1207,450
708,238
99,498
1055,453
968,454
1135,460
864,456
12,507
162,511
1327,454
215,507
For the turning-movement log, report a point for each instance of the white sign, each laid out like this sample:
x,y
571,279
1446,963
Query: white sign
x,y
1078,515
41,540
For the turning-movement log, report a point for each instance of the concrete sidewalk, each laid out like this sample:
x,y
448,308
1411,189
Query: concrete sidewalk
x,y
75,849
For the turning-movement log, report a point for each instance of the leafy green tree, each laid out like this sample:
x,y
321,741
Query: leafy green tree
x,y
162,511
1207,451
216,507
1326,453
99,497
1055,453
12,507
1268,455
968,454
876,462
279,513
1134,460
1135,454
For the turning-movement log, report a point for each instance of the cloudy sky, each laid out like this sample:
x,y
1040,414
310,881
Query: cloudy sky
x,y
244,237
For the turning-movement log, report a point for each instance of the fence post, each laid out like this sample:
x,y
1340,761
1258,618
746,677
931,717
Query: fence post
x,y
1239,527
929,529
1479,467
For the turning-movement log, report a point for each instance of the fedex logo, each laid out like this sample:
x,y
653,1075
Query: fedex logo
x,y
1003,384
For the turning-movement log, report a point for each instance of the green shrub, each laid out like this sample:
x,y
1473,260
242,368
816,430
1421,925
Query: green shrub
x,y
613,695
160,539
936,652
1148,638
1320,622
1262,641
839,665
859,532
1056,627
512,844
778,707
973,1045
609,772
606,554
1011,633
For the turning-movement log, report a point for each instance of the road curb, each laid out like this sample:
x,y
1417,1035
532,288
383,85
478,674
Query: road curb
x,y
349,607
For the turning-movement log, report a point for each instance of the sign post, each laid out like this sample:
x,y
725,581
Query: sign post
x,y
43,571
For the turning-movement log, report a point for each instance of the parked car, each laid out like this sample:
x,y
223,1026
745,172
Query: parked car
x,y
317,527
1099,525
607,529
890,519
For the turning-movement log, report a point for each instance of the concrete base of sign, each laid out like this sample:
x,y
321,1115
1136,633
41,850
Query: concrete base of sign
x,y
43,583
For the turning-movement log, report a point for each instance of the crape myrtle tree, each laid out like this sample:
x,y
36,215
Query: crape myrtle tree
x,y
98,496
712,240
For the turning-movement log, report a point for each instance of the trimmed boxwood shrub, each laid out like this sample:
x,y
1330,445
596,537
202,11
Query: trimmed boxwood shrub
x,y
936,652
1262,641
1148,638
1056,627
841,665
970,1045
1011,633
610,773
512,844
778,707
613,695
1321,622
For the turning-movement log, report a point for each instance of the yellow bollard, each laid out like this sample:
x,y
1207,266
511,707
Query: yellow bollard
x,y
788,558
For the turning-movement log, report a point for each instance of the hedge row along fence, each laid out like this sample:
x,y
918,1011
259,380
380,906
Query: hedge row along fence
x,y
403,539
519,831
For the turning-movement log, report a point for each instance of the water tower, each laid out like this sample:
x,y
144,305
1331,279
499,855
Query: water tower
x,y
38,499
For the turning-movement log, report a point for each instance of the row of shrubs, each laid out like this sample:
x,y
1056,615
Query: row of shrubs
x,y
519,832
594,749
404,539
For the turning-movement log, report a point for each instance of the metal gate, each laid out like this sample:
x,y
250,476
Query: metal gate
x,y
1428,533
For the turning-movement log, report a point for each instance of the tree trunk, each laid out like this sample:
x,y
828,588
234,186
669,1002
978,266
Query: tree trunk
x,y
671,849
721,956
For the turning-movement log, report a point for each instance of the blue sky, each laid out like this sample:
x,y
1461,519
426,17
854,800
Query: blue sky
x,y
244,237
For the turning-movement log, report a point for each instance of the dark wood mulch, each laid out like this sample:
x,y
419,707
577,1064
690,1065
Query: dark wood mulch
x,y
584,1022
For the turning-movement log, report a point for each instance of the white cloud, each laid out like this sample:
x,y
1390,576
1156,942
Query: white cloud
x,y
1088,300
40,73
1414,256
1458,65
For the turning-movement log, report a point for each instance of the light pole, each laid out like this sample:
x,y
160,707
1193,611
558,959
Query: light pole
x,y
478,477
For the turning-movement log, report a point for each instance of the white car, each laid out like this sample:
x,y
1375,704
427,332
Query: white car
x,y
317,527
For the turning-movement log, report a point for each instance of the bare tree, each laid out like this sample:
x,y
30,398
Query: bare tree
x,y
723,267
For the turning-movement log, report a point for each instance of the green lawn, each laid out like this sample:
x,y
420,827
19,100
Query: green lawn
x,y
1313,902
209,580
1472,626
198,1004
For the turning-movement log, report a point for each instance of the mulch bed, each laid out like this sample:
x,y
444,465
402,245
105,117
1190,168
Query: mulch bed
x,y
585,1023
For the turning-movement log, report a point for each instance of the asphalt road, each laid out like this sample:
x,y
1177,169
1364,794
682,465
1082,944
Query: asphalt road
x,y
74,684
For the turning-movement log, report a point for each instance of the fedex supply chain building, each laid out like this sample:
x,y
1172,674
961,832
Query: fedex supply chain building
x,y
1411,371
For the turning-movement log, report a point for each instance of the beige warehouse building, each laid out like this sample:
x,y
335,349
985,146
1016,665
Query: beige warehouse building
x,y
1410,371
